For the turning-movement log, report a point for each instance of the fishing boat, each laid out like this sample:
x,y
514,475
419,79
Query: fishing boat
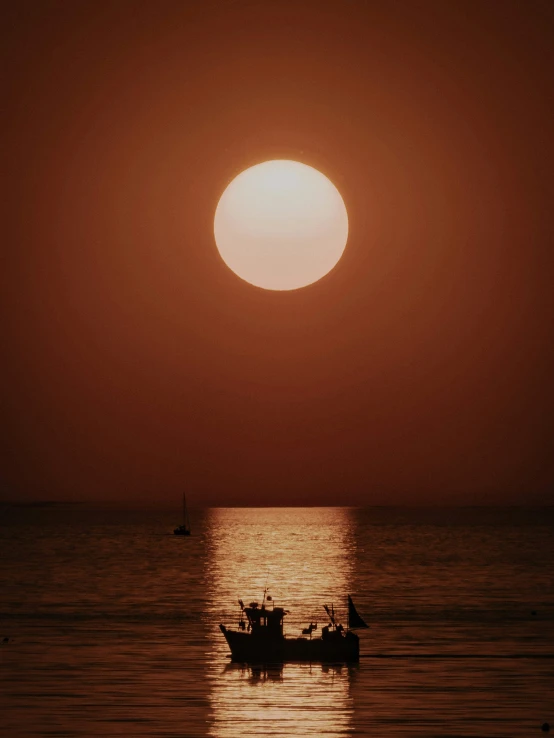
x,y
184,529
260,637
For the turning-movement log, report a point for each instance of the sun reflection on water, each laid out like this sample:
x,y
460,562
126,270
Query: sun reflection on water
x,y
304,559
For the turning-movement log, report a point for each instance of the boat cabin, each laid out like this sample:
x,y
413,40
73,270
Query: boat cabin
x,y
263,621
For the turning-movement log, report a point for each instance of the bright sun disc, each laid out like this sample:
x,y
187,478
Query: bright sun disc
x,y
281,225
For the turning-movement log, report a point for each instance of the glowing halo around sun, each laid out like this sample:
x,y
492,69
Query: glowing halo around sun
x,y
281,225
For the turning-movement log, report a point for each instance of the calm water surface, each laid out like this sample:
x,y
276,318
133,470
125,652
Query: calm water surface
x,y
114,623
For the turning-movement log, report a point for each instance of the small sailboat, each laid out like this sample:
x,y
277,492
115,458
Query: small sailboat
x,y
184,529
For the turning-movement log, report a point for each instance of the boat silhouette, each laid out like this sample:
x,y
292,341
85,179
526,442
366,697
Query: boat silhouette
x,y
184,529
260,638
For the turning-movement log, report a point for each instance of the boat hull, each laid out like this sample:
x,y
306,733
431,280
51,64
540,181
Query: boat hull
x,y
337,647
181,532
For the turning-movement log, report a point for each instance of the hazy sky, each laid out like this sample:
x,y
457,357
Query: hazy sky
x,y
136,364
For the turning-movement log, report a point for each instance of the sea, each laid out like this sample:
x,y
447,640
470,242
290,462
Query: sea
x,y
109,624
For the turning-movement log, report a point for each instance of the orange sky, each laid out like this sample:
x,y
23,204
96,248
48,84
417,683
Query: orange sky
x,y
136,364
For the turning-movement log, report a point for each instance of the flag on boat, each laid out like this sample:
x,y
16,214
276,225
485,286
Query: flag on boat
x,y
354,620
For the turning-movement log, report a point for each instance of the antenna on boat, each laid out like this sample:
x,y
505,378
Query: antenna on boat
x,y
265,589
330,613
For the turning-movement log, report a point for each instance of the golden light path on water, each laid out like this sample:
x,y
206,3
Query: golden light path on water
x,y
302,572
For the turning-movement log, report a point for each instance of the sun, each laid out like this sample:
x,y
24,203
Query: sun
x,y
281,225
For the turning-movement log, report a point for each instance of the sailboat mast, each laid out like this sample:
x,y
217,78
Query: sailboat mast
x,y
186,520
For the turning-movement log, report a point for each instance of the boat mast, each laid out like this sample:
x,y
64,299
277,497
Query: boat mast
x,y
186,521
